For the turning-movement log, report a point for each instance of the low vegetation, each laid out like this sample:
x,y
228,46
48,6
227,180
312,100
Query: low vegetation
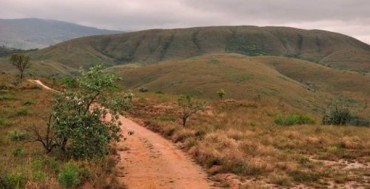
x,y
293,119
244,138
24,163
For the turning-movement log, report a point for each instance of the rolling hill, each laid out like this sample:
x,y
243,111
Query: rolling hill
x,y
303,69
30,33
151,46
296,83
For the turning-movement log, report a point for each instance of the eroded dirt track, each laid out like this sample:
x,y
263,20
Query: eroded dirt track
x,y
149,162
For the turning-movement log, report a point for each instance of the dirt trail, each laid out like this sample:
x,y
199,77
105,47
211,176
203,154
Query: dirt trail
x,y
149,161
38,82
152,162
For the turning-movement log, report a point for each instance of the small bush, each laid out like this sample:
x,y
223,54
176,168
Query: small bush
x,y
28,103
293,119
302,176
18,152
159,92
68,178
343,116
17,135
143,90
281,180
246,168
221,93
337,116
167,119
339,112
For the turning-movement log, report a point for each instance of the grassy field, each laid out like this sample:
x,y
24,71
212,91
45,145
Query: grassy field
x,y
239,143
24,164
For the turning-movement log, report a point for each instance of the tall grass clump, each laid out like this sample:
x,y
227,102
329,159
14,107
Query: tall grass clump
x,y
17,135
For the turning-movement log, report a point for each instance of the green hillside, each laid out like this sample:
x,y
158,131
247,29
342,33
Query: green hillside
x,y
151,46
282,81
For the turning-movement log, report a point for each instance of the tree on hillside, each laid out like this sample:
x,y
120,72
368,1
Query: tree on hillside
x,y
221,93
188,107
21,62
84,120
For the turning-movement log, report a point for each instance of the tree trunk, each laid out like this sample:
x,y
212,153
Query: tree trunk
x,y
184,119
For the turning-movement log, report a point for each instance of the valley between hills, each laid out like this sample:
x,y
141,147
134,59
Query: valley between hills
x,y
268,98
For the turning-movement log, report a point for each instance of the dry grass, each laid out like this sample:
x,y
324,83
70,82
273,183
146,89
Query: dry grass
x,y
240,137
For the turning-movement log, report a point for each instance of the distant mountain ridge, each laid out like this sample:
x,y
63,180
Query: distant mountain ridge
x,y
151,46
30,33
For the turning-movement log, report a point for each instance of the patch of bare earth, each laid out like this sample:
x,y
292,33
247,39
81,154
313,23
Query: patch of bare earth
x,y
149,161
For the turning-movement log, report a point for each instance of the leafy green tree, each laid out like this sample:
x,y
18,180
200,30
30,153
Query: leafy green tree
x,y
221,93
188,107
21,62
84,120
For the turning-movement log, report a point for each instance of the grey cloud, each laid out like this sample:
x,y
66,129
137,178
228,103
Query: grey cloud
x,y
351,17
287,10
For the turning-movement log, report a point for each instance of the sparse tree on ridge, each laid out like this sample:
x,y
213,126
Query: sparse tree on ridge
x,y
21,62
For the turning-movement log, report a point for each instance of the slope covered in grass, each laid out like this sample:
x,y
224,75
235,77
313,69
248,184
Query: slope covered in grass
x,y
283,81
151,46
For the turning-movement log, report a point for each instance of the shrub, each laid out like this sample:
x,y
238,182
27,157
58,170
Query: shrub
x,y
28,103
76,125
143,90
221,93
339,113
68,177
337,116
293,119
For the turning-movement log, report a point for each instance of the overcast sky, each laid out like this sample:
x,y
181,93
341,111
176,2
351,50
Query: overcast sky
x,y
351,17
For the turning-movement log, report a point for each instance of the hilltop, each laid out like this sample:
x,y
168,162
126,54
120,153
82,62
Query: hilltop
x,y
151,46
30,33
